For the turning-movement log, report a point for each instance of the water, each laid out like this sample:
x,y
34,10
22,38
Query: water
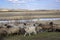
x,y
41,19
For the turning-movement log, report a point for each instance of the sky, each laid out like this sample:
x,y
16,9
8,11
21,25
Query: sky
x,y
30,4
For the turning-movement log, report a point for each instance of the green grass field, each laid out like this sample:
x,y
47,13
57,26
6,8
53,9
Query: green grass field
x,y
40,36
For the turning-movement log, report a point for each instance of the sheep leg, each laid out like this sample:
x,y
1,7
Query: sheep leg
x,y
29,34
35,32
25,34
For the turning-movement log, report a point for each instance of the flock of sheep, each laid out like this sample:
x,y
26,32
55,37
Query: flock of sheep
x,y
27,28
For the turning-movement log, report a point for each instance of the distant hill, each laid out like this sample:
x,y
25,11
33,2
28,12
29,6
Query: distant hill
x,y
25,10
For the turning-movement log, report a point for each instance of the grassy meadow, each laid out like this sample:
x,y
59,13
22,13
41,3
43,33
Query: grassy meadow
x,y
39,36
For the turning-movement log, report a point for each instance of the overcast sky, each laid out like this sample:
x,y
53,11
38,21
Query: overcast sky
x,y
30,4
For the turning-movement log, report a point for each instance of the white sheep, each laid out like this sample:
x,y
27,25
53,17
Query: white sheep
x,y
29,30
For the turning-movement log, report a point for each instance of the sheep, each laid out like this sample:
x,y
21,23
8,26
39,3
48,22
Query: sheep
x,y
11,29
3,31
56,28
29,30
21,27
45,27
39,29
